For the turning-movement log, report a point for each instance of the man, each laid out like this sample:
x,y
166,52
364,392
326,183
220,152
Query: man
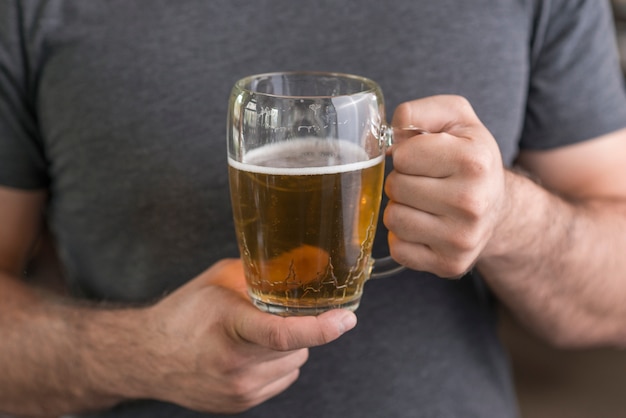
x,y
112,124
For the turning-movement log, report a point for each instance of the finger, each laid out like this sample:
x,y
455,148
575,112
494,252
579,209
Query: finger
x,y
431,155
264,392
434,237
457,238
291,333
444,155
418,256
461,200
278,386
420,193
443,113
257,371
238,395
272,370
275,362
414,226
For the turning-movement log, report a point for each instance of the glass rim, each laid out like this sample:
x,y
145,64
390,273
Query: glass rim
x,y
244,83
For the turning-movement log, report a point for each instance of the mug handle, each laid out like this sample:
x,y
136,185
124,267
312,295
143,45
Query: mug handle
x,y
386,266
387,133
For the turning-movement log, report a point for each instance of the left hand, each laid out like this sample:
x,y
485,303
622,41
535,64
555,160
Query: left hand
x,y
447,189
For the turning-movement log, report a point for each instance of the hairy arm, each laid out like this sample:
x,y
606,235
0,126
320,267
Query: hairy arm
x,y
42,350
45,364
551,248
204,346
558,257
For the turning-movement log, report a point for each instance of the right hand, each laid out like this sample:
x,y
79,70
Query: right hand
x,y
216,352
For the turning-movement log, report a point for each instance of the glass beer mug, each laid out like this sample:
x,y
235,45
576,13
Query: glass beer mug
x,y
306,155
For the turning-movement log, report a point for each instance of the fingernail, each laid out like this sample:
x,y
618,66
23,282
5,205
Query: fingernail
x,y
348,321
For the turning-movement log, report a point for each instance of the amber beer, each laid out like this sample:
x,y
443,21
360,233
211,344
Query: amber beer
x,y
305,213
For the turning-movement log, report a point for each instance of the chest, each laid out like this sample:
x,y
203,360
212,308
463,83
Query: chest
x,y
147,79
131,101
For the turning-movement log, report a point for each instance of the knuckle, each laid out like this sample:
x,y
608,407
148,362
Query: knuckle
x,y
462,242
240,390
460,102
403,112
453,268
279,339
454,261
473,205
459,105
230,364
477,163
465,239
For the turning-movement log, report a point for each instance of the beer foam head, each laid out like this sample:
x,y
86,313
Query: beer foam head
x,y
306,156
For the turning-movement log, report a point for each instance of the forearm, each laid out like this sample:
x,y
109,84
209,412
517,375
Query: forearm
x,y
559,265
58,357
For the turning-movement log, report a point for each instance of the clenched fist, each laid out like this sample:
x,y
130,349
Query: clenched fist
x,y
447,189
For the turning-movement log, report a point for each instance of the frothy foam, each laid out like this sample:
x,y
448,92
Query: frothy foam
x,y
311,156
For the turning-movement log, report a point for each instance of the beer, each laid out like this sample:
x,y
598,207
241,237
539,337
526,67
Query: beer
x,y
305,214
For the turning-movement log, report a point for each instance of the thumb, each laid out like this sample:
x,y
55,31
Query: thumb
x,y
292,333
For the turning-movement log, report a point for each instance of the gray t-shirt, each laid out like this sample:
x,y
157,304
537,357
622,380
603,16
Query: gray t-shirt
x,y
119,109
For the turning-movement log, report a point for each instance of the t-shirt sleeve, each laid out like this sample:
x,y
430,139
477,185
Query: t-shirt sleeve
x,y
576,87
22,157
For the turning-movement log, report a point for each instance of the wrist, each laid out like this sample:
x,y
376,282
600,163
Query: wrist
x,y
524,215
117,351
